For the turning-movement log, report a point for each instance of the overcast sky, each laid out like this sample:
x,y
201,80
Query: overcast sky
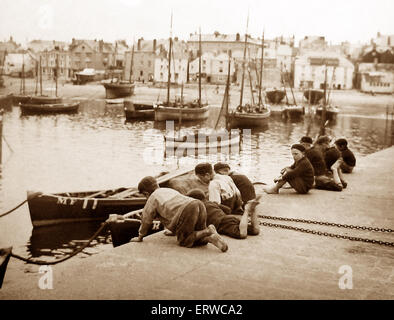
x,y
337,20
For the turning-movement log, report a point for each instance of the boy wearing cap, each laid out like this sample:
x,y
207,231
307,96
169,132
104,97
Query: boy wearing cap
x,y
226,223
221,189
349,160
300,175
200,180
242,182
182,215
332,158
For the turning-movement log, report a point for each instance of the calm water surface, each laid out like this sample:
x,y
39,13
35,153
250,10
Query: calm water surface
x,y
96,149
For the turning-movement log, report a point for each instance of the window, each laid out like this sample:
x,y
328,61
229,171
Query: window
x,y
141,73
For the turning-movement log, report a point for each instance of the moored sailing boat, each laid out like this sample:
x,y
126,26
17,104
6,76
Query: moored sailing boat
x,y
119,88
179,110
48,104
313,96
249,116
294,110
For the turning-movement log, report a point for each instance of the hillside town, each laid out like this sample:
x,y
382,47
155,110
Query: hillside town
x,y
367,67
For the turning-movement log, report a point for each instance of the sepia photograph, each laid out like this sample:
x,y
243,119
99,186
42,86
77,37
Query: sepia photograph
x,y
192,156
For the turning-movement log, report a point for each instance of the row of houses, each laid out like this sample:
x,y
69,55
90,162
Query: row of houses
x,y
310,65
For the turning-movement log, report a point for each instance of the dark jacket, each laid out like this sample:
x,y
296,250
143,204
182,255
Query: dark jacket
x,y
303,169
316,158
348,157
331,155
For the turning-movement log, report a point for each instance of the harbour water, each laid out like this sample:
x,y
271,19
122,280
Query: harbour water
x,y
96,149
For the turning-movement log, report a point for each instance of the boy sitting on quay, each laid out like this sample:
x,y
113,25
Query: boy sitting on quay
x,y
324,180
349,160
183,216
300,175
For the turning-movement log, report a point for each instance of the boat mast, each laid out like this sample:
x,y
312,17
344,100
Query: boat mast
x,y
169,66
243,63
226,98
199,69
22,87
323,120
56,71
131,62
40,75
261,70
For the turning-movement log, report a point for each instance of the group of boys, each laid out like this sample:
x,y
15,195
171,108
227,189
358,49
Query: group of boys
x,y
213,201
197,209
319,165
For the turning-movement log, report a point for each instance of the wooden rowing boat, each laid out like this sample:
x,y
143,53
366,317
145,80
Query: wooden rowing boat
x,y
30,108
118,89
249,119
293,111
138,110
56,208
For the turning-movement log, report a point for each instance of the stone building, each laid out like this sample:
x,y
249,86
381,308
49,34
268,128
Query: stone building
x,y
376,71
310,71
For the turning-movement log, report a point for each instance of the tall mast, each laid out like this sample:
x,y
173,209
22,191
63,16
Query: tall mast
x,y
131,62
57,70
243,63
261,68
40,75
199,68
169,66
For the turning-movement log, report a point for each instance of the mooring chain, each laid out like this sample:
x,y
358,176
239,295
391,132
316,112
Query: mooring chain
x,y
327,234
331,224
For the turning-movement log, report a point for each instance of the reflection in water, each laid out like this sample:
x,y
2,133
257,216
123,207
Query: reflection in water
x,y
96,149
59,240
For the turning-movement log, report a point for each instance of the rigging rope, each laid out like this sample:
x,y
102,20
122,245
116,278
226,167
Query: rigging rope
x,y
34,195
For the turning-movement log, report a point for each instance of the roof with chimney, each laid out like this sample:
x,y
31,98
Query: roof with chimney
x,y
217,37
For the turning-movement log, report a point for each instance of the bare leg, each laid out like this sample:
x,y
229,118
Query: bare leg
x,y
336,172
250,208
215,239
275,188
205,233
243,223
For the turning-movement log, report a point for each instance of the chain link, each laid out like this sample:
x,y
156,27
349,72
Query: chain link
x,y
324,223
327,234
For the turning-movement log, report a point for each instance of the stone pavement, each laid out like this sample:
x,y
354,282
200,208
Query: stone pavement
x,y
277,264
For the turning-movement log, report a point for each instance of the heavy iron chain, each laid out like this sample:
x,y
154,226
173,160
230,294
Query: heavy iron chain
x,y
327,234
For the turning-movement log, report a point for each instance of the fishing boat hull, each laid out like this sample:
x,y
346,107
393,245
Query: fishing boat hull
x,y
249,119
139,110
50,209
118,90
292,112
314,95
123,231
275,96
20,98
56,208
185,114
331,113
45,100
29,108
